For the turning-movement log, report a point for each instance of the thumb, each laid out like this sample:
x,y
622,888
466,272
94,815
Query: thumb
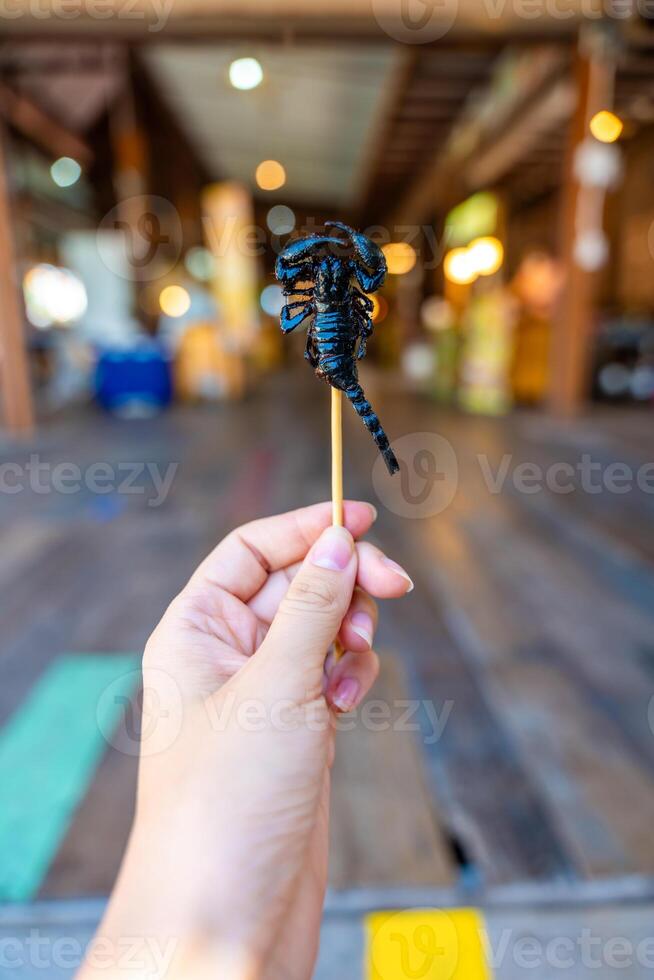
x,y
310,615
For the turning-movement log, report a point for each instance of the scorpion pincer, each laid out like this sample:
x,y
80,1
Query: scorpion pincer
x,y
318,269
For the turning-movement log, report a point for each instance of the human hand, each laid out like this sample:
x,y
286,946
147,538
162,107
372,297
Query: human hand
x,y
228,855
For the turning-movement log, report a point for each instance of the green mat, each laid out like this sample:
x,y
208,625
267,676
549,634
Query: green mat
x,y
49,751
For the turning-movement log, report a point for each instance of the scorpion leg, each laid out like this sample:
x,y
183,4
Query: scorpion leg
x,y
290,320
363,321
292,276
362,311
363,300
310,352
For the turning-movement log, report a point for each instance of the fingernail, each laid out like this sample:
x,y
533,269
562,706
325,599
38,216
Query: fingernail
x,y
362,625
400,571
333,549
346,694
374,511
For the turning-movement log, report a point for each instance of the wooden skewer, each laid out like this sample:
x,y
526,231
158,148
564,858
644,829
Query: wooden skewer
x,y
337,458
337,474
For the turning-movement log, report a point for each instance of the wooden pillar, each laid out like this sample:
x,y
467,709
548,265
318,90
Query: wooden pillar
x,y
16,390
130,172
573,325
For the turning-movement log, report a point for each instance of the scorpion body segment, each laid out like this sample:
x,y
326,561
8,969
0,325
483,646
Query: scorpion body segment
x,y
341,324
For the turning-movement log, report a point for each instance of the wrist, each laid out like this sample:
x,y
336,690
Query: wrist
x,y
156,930
136,957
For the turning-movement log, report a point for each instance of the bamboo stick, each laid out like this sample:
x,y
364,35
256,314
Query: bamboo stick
x,y
337,458
337,474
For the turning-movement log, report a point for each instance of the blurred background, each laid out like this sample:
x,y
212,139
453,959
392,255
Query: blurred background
x,y
155,157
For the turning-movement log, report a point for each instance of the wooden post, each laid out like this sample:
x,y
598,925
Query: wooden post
x,y
130,166
18,410
573,324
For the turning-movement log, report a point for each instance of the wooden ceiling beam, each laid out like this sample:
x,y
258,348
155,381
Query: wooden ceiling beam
x,y
145,23
37,126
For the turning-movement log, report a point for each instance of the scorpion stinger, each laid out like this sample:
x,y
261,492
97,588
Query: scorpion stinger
x,y
341,323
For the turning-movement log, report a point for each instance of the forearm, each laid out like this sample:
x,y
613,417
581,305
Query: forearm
x,y
152,930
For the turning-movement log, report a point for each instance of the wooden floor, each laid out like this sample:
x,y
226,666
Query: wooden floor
x,y
529,637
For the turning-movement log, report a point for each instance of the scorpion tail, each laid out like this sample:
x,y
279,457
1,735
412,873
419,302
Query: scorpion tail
x,y
364,410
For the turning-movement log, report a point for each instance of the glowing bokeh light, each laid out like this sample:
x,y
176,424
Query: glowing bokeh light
x,y
280,219
606,126
65,172
486,255
475,216
437,314
379,308
458,267
53,295
400,257
200,263
419,361
270,175
245,73
174,301
272,300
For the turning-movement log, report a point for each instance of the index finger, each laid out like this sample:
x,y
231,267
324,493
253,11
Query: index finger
x,y
242,561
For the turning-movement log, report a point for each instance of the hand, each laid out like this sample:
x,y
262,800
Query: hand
x,y
227,862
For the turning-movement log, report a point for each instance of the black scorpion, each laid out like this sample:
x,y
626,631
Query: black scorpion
x,y
341,325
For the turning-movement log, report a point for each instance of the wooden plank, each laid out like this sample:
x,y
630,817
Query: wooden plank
x,y
541,589
384,828
484,789
545,623
22,544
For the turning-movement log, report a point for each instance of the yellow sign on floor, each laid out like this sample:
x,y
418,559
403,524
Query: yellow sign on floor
x,y
426,944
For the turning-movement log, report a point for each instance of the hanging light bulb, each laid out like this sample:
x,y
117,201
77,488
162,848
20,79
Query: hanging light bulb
x,y
245,73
